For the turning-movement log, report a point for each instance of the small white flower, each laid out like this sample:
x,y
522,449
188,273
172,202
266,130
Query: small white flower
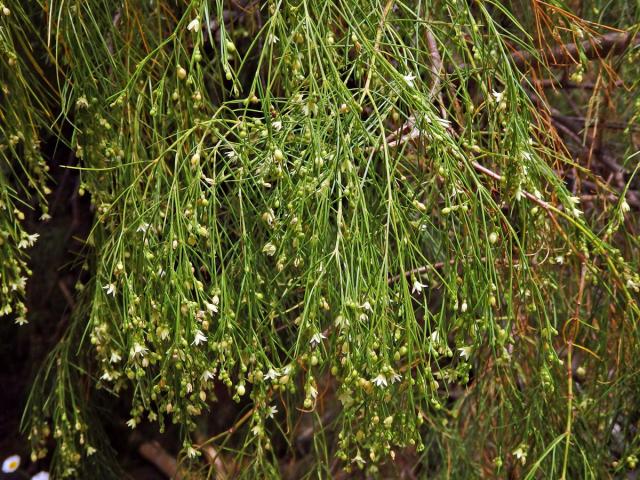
x,y
417,286
367,306
207,375
199,338
21,320
28,241
164,333
358,459
341,322
138,350
271,374
395,377
269,249
20,284
212,307
143,227
209,181
272,39
624,206
272,411
257,430
317,339
435,337
498,96
82,102
633,284
41,476
465,352
194,25
45,217
115,357
519,194
521,453
192,452
409,79
380,380
313,392
110,288
231,154
11,464
277,125
131,423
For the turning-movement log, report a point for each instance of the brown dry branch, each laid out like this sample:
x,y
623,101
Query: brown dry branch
x,y
568,54
153,452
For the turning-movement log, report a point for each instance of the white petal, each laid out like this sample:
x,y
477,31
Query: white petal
x,y
194,25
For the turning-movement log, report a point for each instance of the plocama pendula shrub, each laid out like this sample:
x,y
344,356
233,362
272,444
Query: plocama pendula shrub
x,y
371,220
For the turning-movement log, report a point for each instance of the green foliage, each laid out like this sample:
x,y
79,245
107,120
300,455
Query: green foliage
x,y
345,201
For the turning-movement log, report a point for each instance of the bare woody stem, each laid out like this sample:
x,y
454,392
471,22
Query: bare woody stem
x,y
598,47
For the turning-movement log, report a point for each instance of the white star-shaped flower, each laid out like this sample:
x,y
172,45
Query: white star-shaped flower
x,y
409,79
271,374
521,453
498,96
417,286
138,350
212,307
269,249
313,392
317,339
465,352
624,206
194,25
380,380
110,289
358,459
28,241
19,284
199,338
